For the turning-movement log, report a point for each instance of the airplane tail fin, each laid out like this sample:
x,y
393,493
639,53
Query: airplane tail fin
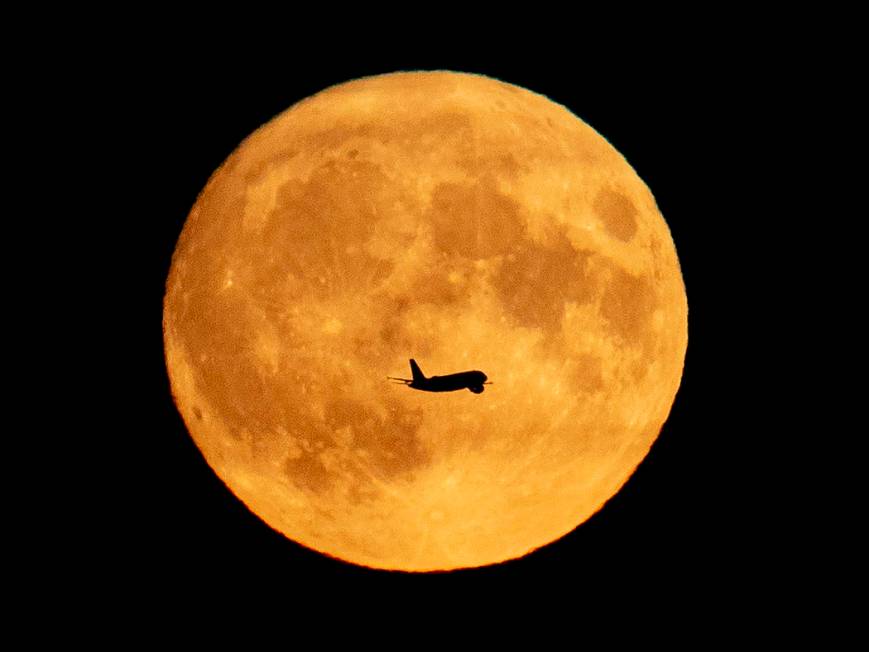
x,y
416,371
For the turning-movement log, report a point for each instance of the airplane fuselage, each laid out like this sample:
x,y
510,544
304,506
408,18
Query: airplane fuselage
x,y
472,380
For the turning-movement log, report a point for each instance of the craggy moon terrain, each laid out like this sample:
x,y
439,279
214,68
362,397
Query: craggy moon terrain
x,y
458,220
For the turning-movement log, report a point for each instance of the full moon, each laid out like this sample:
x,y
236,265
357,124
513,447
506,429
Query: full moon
x,y
454,219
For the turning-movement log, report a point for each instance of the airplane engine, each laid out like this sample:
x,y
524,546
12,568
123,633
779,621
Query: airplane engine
x,y
477,390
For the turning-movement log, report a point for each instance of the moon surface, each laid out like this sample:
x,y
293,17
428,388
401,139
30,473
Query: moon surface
x,y
458,220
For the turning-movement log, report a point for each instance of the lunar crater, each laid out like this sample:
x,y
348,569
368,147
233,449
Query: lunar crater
x,y
617,212
473,220
536,280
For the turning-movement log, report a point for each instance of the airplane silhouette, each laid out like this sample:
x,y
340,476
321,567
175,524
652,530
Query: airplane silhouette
x,y
472,380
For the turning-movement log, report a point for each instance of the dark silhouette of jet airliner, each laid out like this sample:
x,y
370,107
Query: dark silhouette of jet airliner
x,y
472,380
